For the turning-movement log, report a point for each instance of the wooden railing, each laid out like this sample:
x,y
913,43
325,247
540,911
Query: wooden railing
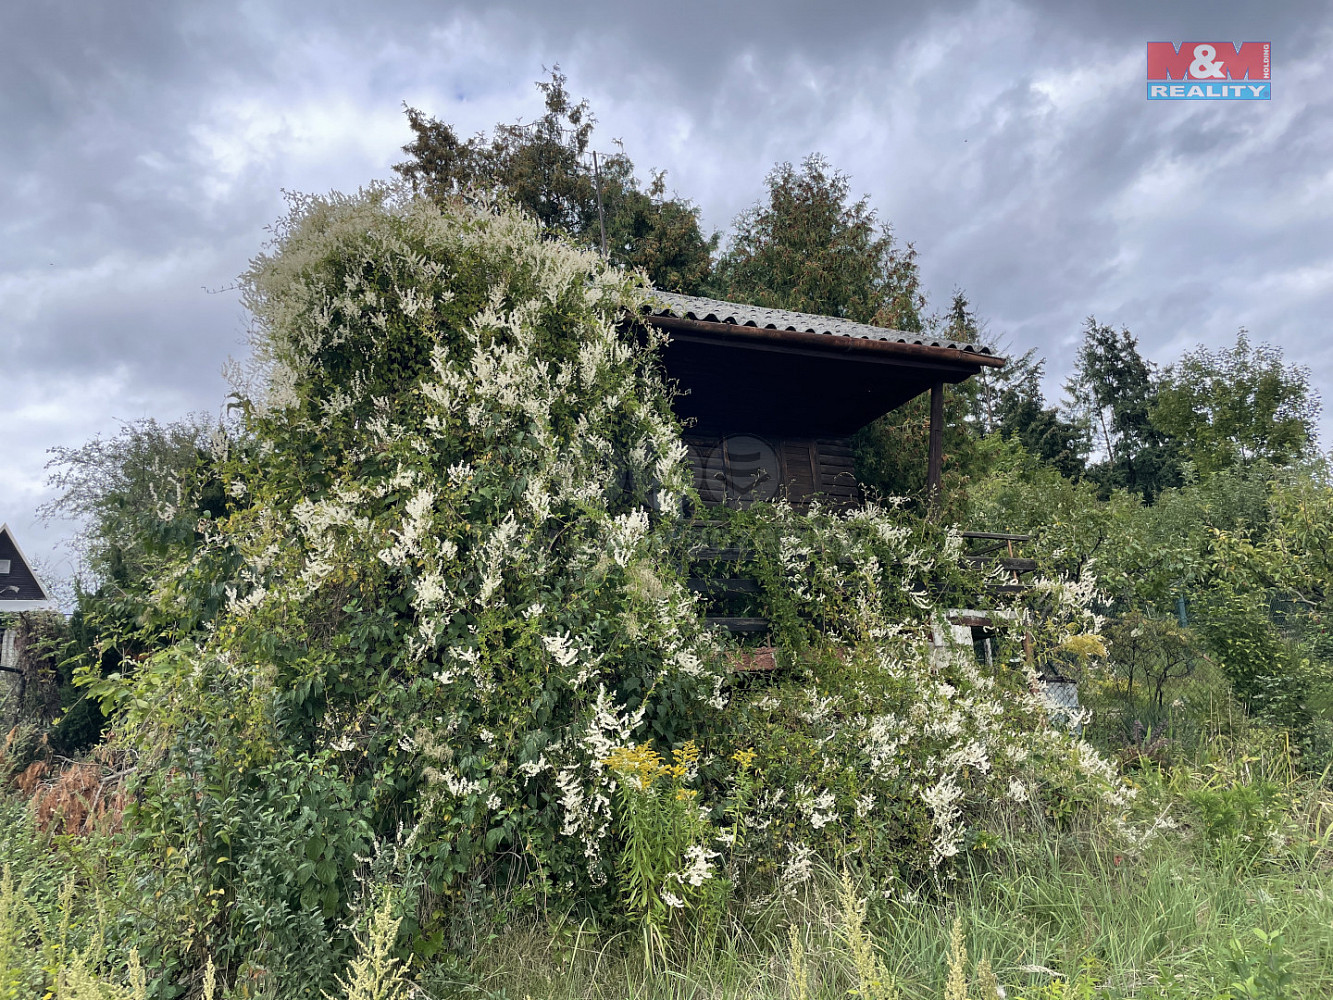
x,y
733,598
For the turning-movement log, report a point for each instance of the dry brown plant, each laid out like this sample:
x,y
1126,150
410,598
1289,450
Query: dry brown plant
x,y
82,799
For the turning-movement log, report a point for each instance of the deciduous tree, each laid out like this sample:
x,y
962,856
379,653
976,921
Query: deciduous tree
x,y
1237,405
546,168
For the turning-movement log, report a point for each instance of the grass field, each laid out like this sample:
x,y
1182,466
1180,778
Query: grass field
x,y
1055,922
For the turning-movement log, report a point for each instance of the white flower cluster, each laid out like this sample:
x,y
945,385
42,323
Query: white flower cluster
x,y
948,736
472,508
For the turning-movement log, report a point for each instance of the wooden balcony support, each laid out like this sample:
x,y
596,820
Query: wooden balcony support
x,y
935,462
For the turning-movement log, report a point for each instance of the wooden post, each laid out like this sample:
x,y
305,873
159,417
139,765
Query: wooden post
x,y
935,464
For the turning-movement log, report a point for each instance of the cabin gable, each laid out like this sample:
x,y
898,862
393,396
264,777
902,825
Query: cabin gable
x,y
20,588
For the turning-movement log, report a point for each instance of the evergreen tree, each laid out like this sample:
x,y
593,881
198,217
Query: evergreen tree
x,y
1112,392
1020,413
808,247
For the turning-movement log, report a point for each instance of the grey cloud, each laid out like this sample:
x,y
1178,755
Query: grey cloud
x,y
146,146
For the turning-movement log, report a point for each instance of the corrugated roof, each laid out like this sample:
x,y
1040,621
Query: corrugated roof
x,y
737,314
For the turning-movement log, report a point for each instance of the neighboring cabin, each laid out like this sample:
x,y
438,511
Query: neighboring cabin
x,y
20,590
772,397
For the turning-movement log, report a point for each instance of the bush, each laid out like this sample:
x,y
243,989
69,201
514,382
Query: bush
x,y
451,598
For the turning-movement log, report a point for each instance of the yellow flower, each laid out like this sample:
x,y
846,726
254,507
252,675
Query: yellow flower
x,y
641,765
745,758
683,758
1085,646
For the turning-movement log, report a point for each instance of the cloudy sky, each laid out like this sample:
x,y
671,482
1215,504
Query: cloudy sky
x,y
146,147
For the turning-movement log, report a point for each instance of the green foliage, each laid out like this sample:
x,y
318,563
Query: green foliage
x,y
873,981
1154,653
1265,671
1237,406
1010,401
442,595
135,494
140,496
1262,967
445,586
891,453
1074,528
808,247
1239,552
438,602
647,229
1240,820
544,167
11,970
1112,392
256,865
666,869
56,937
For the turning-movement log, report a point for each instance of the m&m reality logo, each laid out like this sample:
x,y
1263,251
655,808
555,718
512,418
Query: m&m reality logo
x,y
1209,71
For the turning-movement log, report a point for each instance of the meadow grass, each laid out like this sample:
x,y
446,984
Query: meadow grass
x,y
1051,920
1067,914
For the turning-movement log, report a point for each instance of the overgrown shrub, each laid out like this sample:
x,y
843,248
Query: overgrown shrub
x,y
1266,671
451,597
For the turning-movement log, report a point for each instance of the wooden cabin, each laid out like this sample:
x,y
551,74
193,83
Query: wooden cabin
x,y
773,397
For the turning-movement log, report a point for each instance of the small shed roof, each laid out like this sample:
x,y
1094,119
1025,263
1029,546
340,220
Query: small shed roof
x,y
774,371
694,307
20,589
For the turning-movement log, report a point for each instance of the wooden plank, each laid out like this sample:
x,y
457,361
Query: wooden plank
x,y
995,536
1013,565
799,476
709,553
737,626
835,448
837,475
722,585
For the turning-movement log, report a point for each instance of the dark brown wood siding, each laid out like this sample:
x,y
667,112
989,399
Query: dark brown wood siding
x,y
735,469
837,477
19,575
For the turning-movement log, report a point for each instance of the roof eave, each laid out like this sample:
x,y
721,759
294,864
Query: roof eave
x,y
7,607
883,350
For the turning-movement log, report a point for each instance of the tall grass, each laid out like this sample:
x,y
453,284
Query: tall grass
x,y
1062,919
1174,921
1215,906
